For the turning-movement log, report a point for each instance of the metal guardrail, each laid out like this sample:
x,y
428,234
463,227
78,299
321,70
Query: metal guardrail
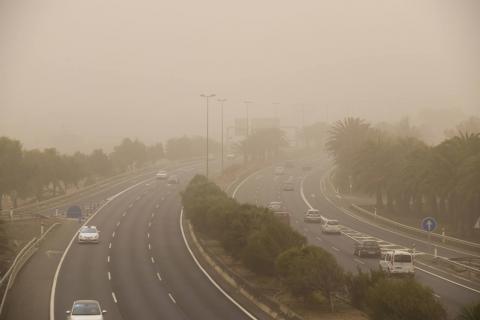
x,y
437,236
22,257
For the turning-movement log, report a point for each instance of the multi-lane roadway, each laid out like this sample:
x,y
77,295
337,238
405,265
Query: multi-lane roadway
x,y
264,186
141,269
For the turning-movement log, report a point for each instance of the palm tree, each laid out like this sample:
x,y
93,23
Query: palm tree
x,y
345,138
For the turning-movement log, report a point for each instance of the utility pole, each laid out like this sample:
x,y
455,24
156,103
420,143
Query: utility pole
x,y
222,101
206,98
247,125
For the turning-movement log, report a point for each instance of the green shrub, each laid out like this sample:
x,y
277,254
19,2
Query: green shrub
x,y
309,269
403,299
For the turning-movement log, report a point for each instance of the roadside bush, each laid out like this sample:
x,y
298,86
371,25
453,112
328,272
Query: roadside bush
x,y
265,244
359,284
470,312
305,271
403,299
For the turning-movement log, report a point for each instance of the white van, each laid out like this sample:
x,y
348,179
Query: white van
x,y
397,262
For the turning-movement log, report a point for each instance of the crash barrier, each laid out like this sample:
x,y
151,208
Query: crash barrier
x,y
8,279
433,236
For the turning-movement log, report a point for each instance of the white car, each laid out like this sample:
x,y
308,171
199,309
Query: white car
x,y
397,262
313,215
279,170
330,226
86,310
161,175
275,206
88,234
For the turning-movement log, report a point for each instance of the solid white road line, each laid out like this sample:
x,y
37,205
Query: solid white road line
x,y
114,297
159,277
245,311
172,298
109,276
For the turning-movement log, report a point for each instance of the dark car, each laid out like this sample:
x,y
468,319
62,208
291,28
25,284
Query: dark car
x,y
367,248
307,167
289,164
288,186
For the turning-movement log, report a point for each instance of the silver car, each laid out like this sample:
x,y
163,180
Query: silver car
x,y
86,310
88,234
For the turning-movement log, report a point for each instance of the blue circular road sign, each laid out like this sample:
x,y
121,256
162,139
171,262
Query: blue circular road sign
x,y
429,224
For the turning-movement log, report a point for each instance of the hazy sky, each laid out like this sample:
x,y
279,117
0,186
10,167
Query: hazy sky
x,y
79,74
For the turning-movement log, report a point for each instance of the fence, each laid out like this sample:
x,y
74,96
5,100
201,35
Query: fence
x,y
8,279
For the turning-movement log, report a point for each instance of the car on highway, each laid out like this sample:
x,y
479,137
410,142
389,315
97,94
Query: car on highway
x,y
288,186
173,179
289,164
161,175
275,206
279,170
397,262
313,215
306,167
86,310
88,234
368,248
330,226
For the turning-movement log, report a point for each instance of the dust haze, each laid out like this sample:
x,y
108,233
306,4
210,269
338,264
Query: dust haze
x,y
79,75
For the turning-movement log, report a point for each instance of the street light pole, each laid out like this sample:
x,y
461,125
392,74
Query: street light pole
x,y
222,101
246,108
206,98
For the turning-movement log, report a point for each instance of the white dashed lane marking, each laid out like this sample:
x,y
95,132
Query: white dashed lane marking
x,y
358,261
159,277
113,234
336,249
109,276
114,297
153,260
172,298
108,259
110,245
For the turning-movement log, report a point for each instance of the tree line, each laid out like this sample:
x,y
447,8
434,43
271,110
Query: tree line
x,y
41,174
407,176
269,247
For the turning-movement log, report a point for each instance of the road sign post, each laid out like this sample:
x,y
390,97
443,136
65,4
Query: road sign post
x,y
429,224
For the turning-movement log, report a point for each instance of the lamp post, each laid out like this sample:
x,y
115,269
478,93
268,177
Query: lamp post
x,y
206,98
275,111
222,101
246,109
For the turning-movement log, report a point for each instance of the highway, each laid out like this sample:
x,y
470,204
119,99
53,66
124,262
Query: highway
x,y
263,187
141,268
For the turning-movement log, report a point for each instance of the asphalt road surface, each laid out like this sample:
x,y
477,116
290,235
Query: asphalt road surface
x,y
141,268
264,187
